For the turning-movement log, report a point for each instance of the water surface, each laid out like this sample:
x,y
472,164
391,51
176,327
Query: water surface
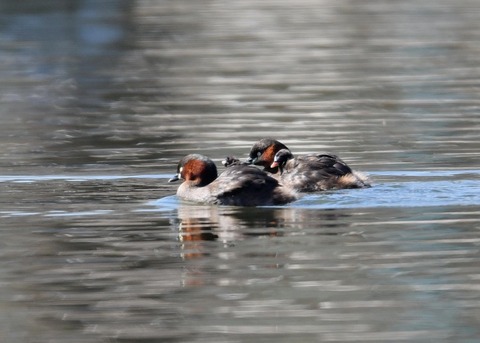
x,y
99,101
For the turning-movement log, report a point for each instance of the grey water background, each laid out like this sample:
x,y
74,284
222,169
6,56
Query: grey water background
x,y
99,101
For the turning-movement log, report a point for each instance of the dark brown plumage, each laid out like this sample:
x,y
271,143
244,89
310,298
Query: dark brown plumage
x,y
238,185
306,173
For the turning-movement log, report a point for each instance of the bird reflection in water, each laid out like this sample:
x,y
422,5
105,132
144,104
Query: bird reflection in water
x,y
213,232
208,232
200,225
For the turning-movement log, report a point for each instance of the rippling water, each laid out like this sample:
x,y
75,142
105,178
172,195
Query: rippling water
x,y
99,101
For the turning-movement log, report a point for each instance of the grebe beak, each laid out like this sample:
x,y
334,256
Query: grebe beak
x,y
175,178
274,164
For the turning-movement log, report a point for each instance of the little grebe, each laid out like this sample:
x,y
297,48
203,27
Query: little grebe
x,y
307,173
238,185
232,161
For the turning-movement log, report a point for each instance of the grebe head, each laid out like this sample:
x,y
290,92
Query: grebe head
x,y
263,152
196,169
281,158
231,161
